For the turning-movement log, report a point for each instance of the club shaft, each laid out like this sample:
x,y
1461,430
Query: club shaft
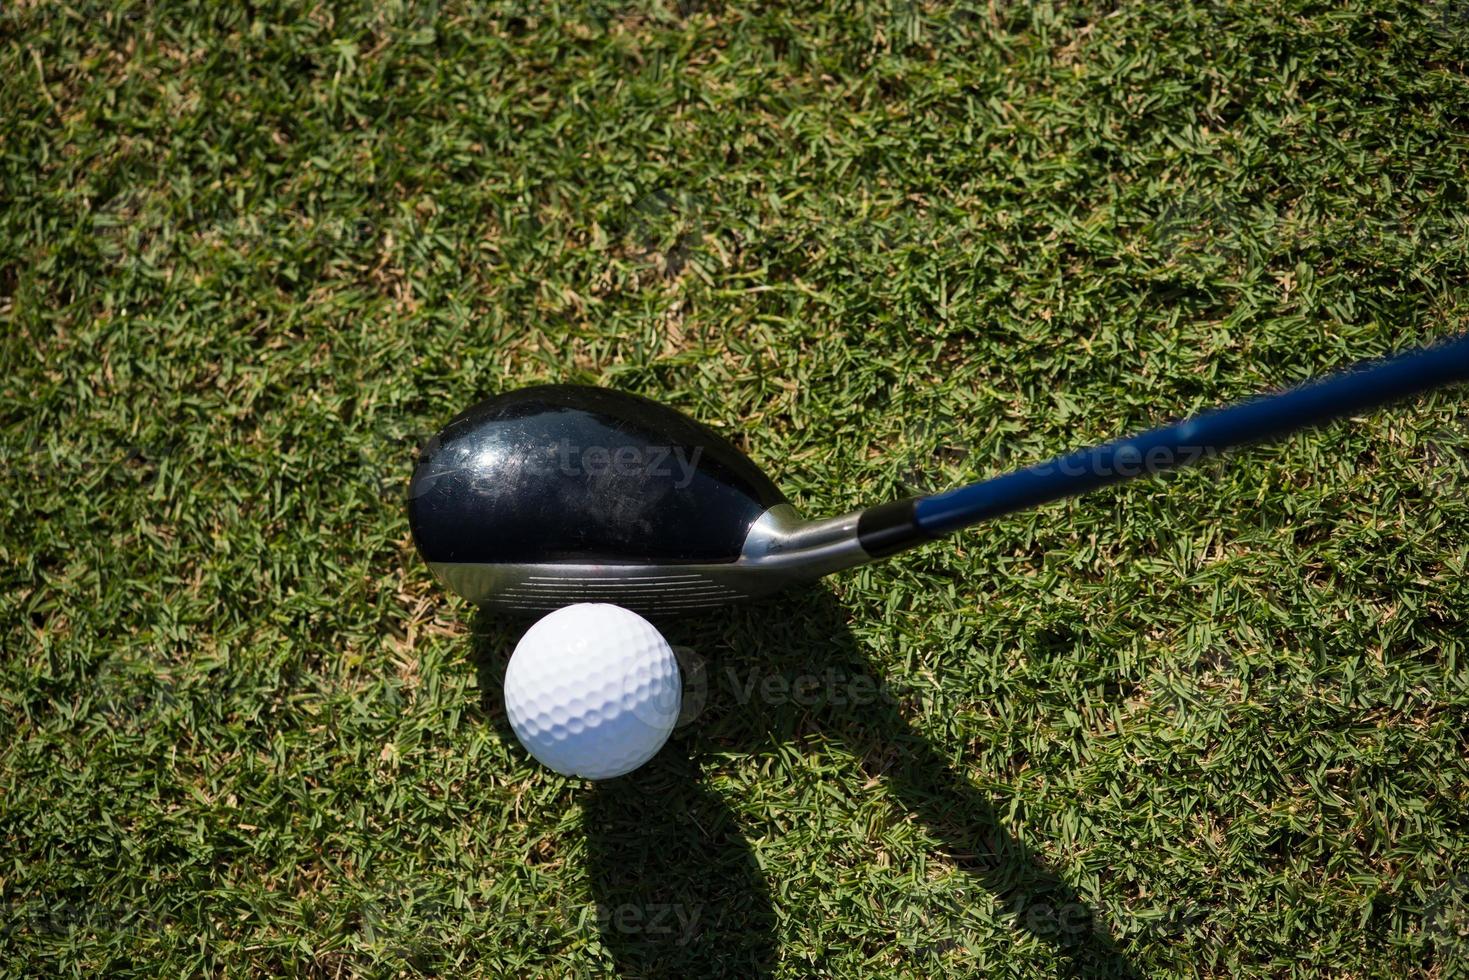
x,y
1362,388
1369,385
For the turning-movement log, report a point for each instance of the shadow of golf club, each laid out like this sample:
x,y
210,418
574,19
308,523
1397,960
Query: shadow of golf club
x,y
676,884
679,893
663,846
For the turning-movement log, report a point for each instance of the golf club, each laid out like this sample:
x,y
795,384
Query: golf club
x,y
557,494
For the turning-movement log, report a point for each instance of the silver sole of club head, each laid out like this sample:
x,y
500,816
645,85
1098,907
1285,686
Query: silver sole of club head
x,y
781,551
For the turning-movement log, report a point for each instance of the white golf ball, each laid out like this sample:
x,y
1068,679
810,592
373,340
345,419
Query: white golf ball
x,y
592,690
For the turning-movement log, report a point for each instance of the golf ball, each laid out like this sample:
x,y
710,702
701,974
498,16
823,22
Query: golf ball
x,y
592,690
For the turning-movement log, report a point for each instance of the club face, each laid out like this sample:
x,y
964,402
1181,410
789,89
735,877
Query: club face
x,y
565,493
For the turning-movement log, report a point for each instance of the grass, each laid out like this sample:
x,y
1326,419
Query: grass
x,y
1209,724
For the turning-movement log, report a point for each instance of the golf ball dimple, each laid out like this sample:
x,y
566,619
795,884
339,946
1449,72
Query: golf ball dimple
x,y
592,690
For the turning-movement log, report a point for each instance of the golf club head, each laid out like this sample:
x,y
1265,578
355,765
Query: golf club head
x,y
556,494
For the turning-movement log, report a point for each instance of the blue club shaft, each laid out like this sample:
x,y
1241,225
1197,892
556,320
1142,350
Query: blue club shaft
x,y
1357,389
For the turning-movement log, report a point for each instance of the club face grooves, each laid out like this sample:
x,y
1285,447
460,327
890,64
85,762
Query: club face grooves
x,y
780,550
538,589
